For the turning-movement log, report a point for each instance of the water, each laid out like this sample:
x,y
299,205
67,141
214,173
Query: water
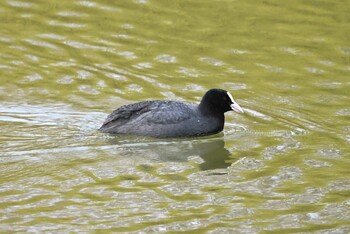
x,y
282,167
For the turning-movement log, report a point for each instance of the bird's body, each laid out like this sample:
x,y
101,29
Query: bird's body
x,y
167,119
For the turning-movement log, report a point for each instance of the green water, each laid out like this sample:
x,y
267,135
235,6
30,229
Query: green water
x,y
282,167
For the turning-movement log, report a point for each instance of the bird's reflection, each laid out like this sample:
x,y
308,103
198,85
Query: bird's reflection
x,y
214,154
211,150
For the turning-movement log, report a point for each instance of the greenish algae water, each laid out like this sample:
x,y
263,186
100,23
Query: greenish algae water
x,y
282,167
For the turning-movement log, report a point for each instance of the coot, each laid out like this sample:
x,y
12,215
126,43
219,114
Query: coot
x,y
165,119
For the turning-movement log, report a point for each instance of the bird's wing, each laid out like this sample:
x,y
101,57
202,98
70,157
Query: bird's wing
x,y
125,113
170,114
158,112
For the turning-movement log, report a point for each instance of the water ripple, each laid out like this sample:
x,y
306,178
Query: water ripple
x,y
19,4
280,167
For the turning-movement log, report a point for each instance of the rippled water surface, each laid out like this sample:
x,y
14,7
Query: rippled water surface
x,y
281,167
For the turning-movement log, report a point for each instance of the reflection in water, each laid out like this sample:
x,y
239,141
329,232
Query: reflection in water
x,y
214,153
211,150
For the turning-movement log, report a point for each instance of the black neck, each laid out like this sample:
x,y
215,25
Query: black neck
x,y
209,110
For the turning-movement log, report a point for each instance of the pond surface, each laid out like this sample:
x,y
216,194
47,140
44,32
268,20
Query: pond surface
x,y
282,167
